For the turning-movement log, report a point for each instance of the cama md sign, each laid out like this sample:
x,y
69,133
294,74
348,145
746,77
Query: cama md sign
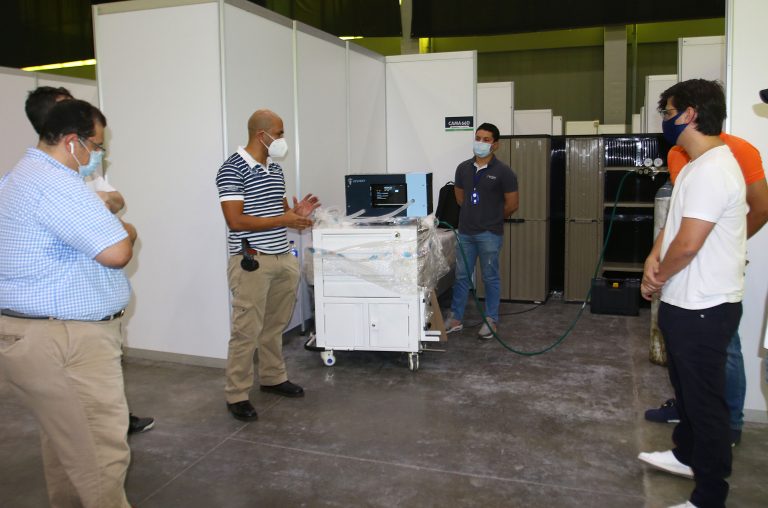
x,y
459,123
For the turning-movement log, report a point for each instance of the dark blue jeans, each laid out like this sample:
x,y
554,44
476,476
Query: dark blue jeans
x,y
487,247
696,342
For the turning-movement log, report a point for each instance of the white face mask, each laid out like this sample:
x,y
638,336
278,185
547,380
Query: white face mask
x,y
277,148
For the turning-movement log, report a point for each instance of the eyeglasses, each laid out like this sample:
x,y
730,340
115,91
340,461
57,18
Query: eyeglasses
x,y
666,112
98,146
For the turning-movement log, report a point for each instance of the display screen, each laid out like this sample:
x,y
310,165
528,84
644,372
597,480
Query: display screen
x,y
383,195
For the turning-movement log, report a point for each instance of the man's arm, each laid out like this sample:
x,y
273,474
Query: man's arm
x,y
238,221
459,193
650,284
511,203
119,254
684,247
757,199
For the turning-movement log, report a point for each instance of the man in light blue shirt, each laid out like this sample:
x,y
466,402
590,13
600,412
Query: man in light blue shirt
x,y
62,293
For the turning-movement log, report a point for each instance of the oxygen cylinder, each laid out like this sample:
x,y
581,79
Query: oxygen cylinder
x,y
658,353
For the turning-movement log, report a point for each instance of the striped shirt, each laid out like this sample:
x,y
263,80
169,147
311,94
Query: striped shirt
x,y
262,191
51,228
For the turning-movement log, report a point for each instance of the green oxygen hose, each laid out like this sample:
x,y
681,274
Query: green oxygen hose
x,y
586,299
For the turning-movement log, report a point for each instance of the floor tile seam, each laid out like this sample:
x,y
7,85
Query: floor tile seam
x,y
435,470
190,466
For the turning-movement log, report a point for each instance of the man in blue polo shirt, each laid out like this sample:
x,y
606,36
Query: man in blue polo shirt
x,y
253,199
62,293
486,190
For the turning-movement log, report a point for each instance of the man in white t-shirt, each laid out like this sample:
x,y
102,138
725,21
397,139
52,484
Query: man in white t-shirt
x,y
697,263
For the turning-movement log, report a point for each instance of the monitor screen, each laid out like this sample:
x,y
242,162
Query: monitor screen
x,y
392,195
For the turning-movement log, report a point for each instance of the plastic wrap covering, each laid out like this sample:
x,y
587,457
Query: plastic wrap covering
x,y
400,265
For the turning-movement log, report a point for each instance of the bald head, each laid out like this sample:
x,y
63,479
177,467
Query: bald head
x,y
262,120
264,126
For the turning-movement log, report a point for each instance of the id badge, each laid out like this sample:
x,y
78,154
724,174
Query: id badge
x,y
474,198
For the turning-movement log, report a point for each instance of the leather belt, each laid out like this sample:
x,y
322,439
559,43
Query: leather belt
x,y
14,314
254,252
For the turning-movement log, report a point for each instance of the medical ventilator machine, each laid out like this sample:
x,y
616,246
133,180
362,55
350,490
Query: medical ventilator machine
x,y
375,268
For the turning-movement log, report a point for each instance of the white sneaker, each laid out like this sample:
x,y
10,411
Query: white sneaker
x,y
666,461
687,504
487,332
452,324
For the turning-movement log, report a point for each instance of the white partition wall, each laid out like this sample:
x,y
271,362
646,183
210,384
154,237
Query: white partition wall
x,y
422,90
557,125
532,122
367,111
160,83
748,118
495,104
16,133
321,63
701,57
654,86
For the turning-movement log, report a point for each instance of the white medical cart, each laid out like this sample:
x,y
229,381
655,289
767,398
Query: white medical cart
x,y
367,293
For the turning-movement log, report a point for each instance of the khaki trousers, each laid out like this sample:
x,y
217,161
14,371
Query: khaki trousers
x,y
68,374
262,305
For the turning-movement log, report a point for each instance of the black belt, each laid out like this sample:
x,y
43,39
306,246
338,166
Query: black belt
x,y
10,313
254,252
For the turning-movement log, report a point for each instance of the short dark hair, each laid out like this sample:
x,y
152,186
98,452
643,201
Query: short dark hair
x,y
490,128
40,101
706,97
71,117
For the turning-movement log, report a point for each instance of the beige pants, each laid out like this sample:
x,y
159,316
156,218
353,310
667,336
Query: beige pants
x,y
262,305
68,374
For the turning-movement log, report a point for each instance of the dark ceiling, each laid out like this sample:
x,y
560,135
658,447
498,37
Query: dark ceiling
x,y
39,32
452,18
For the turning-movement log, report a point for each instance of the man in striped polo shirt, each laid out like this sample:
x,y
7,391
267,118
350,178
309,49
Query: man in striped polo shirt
x,y
253,199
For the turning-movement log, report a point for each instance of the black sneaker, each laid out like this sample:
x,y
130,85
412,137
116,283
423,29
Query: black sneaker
x,y
667,413
137,424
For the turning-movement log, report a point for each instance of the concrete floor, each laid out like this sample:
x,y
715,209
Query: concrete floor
x,y
475,426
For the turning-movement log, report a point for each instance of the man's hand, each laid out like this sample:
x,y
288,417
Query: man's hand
x,y
306,206
130,230
112,200
651,284
295,221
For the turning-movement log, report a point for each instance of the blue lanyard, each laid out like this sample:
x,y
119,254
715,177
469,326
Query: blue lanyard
x,y
478,175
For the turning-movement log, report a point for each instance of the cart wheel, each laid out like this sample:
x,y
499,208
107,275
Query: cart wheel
x,y
328,358
413,361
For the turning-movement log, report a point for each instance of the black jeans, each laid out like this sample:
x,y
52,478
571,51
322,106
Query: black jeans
x,y
696,342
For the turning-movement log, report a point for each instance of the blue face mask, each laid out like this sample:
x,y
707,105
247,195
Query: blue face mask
x,y
94,160
481,149
671,130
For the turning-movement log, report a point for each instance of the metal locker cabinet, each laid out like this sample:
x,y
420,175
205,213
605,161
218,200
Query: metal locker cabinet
x,y
583,214
530,160
525,253
529,260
